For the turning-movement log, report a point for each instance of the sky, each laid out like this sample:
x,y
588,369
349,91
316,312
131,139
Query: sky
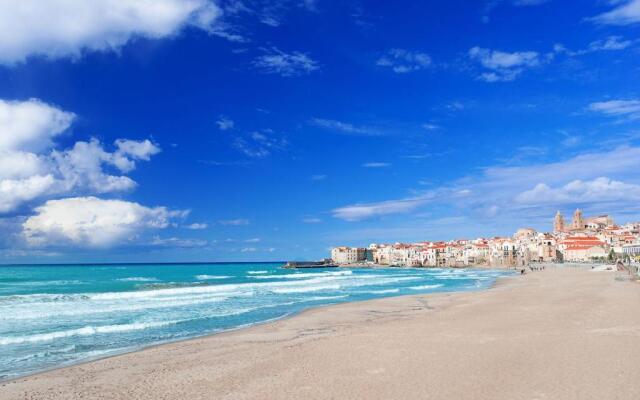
x,y
247,130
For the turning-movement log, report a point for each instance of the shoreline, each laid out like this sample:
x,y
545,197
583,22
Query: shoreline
x,y
236,329
397,335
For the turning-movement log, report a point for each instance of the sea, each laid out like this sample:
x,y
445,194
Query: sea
x,y
57,315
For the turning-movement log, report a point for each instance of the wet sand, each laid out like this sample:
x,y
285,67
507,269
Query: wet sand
x,y
555,334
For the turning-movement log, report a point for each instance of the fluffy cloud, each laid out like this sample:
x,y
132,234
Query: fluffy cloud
x,y
618,108
598,190
502,66
402,61
14,192
31,168
285,64
30,125
92,222
627,12
63,28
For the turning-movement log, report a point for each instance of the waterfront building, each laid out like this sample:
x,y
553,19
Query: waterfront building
x,y
348,255
585,239
631,250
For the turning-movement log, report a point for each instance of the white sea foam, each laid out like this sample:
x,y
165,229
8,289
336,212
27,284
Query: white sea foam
x,y
257,272
305,275
19,313
211,277
306,289
321,298
85,331
138,279
44,283
382,291
426,287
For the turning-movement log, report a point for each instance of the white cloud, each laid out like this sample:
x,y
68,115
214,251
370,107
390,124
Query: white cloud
x,y
626,12
31,168
376,165
249,250
359,212
225,123
618,108
197,226
343,127
596,191
137,150
260,144
14,192
402,61
610,43
66,28
285,64
503,66
318,177
178,242
92,222
430,127
30,125
311,220
253,240
234,222
20,165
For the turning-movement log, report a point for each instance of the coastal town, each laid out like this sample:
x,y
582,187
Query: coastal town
x,y
584,239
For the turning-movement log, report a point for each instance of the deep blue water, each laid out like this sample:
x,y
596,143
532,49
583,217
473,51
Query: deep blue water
x,y
56,315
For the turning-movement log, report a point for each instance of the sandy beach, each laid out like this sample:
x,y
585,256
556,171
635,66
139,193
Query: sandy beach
x,y
556,334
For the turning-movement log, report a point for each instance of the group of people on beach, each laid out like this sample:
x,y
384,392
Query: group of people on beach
x,y
532,268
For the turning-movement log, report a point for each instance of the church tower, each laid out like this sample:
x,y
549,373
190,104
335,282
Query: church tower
x,y
578,220
558,223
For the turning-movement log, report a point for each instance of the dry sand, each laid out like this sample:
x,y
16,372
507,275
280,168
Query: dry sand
x,y
557,334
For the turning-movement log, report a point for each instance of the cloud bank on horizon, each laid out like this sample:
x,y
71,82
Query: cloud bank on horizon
x,y
189,128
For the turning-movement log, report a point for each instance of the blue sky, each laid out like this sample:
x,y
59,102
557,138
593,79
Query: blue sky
x,y
196,130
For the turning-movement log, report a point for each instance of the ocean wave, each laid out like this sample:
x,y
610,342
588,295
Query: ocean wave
x,y
169,285
426,287
76,310
304,275
306,289
382,291
322,298
158,291
208,277
138,279
42,283
84,331
257,272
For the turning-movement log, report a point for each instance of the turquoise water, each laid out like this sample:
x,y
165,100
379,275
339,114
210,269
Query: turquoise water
x,y
56,315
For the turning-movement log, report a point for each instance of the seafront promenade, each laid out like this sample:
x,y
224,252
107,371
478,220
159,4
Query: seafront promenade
x,y
561,333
